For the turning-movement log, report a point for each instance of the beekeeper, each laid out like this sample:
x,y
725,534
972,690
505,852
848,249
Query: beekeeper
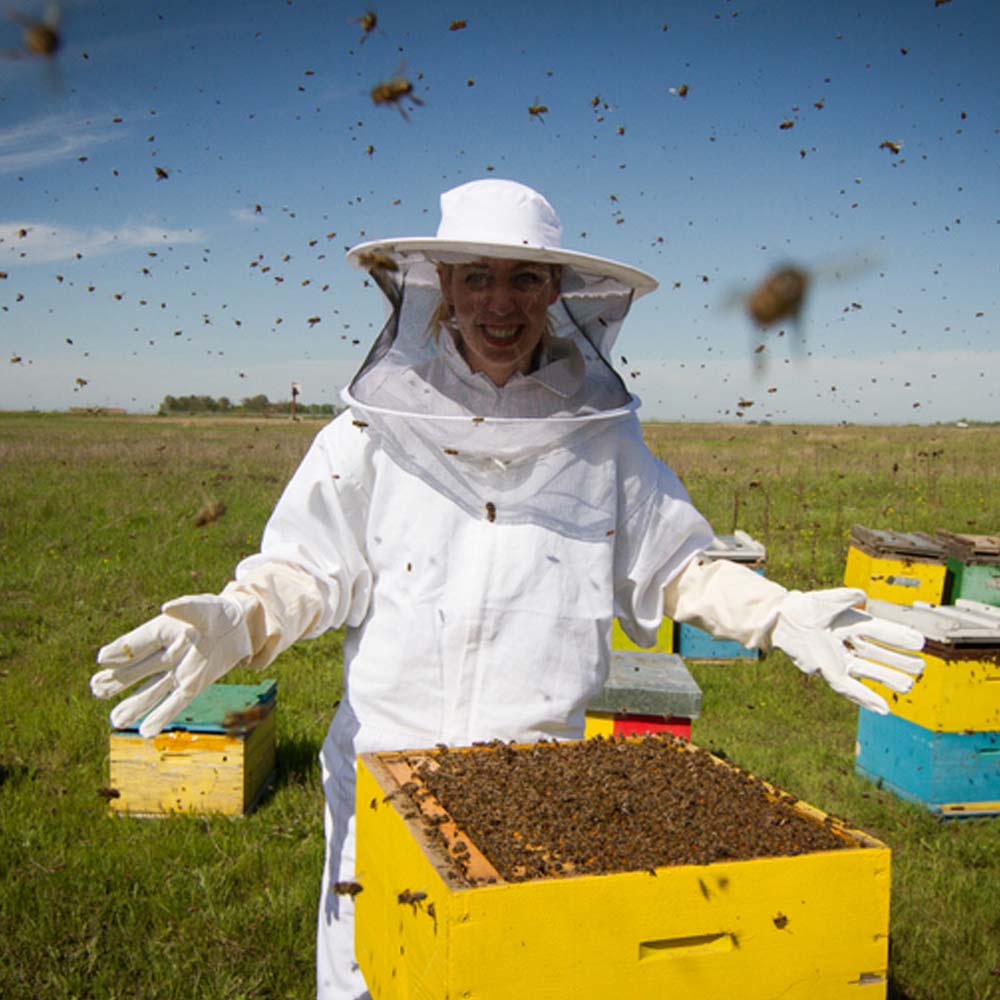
x,y
477,518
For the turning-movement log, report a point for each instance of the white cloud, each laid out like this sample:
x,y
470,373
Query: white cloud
x,y
28,242
51,139
245,215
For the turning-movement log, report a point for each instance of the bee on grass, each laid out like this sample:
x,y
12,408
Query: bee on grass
x,y
209,513
394,92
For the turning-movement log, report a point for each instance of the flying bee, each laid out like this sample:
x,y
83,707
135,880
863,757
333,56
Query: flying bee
x,y
368,22
536,110
374,261
241,720
780,297
394,91
40,37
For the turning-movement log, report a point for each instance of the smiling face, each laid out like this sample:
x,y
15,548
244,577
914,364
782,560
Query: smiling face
x,y
499,309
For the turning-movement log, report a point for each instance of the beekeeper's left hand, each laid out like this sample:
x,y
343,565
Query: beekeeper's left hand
x,y
189,646
825,632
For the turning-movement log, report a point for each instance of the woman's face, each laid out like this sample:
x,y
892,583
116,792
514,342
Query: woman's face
x,y
499,308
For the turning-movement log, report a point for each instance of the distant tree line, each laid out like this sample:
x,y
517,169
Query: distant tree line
x,y
258,405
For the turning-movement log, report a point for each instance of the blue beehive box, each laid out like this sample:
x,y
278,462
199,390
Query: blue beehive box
x,y
695,643
953,774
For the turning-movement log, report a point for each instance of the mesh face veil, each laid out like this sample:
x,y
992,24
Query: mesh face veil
x,y
428,425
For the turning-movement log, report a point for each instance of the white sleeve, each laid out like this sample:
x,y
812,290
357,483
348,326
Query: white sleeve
x,y
726,599
282,604
659,531
311,573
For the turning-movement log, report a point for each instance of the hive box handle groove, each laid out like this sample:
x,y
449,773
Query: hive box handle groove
x,y
723,941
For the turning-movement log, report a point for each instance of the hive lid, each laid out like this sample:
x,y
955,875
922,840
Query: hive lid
x,y
965,623
647,683
216,709
738,547
971,548
907,545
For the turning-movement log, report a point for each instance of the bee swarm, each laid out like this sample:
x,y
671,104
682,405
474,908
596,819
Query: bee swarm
x,y
605,805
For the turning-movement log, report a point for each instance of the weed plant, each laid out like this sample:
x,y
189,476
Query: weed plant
x,y
97,529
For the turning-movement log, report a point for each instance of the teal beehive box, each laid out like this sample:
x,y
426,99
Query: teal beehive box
x,y
215,756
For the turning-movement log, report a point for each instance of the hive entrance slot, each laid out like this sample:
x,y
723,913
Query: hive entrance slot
x,y
692,944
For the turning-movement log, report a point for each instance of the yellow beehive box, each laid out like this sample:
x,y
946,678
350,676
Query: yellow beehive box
x,y
959,689
664,638
896,566
217,756
810,926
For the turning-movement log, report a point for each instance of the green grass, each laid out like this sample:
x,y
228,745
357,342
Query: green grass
x,y
97,530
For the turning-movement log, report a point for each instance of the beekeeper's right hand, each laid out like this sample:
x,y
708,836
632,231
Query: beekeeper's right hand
x,y
189,646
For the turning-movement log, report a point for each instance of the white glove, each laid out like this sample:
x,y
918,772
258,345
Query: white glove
x,y
824,632
191,645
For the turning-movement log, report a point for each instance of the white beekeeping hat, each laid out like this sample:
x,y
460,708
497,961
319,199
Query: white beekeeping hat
x,y
504,219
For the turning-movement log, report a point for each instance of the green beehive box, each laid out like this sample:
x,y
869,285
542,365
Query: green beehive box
x,y
973,567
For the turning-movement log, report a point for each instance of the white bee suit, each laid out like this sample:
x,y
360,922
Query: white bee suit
x,y
478,541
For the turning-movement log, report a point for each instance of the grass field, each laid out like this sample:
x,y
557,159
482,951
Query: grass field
x,y
97,529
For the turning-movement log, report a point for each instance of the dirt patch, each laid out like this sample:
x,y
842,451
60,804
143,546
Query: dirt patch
x,y
610,805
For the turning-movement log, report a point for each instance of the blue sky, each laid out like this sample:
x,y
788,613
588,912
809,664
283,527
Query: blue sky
x,y
125,287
